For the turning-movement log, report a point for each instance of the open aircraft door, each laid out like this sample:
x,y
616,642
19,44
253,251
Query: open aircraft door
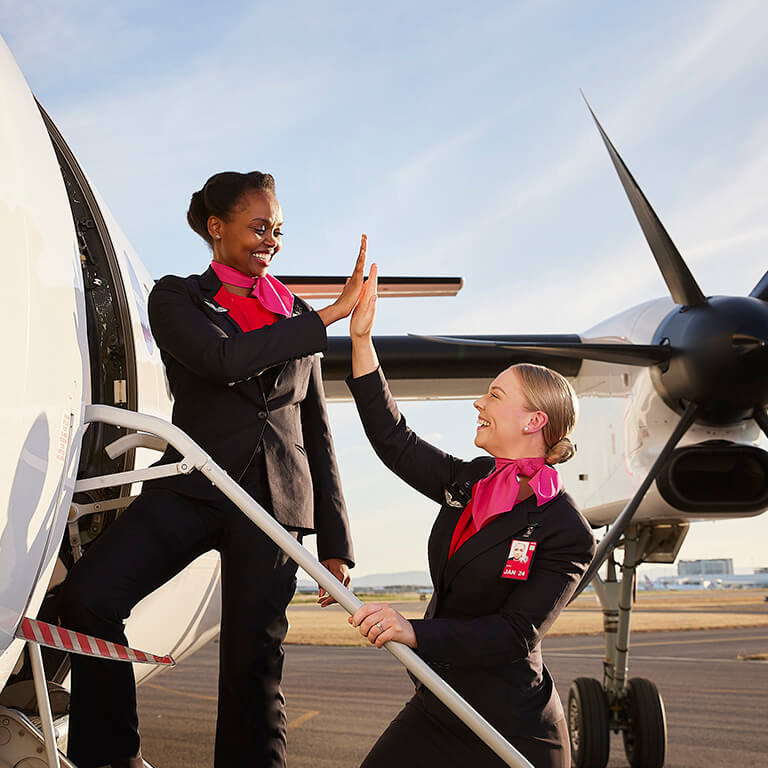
x,y
45,368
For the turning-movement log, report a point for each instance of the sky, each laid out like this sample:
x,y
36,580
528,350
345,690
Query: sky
x,y
455,136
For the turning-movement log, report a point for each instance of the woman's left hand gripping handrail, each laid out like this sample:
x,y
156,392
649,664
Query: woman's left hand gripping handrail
x,y
194,457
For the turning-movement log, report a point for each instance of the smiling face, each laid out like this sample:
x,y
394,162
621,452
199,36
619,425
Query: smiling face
x,y
506,427
250,236
518,550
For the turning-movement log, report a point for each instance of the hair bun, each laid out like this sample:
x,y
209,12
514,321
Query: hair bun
x,y
561,451
197,215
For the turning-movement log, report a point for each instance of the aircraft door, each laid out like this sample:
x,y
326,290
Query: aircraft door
x,y
112,356
45,373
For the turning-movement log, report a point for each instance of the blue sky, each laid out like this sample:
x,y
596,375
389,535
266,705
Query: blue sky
x,y
455,136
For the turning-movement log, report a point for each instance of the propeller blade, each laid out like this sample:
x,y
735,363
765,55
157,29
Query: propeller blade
x,y
622,354
761,417
621,523
415,359
681,283
760,291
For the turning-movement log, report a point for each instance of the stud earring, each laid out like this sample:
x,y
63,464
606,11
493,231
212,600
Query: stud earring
x,y
218,237
525,429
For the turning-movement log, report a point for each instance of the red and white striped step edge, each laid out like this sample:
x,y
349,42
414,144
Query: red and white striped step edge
x,y
52,636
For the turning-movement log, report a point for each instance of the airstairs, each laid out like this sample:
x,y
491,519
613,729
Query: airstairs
x,y
39,736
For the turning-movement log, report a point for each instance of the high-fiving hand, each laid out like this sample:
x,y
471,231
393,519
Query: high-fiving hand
x,y
350,294
361,324
364,358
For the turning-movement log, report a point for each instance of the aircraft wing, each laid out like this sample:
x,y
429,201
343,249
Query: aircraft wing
x,y
419,367
312,287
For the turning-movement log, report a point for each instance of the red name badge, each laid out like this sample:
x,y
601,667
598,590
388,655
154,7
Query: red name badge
x,y
519,561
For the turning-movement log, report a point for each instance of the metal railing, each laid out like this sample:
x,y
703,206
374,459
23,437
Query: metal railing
x,y
194,458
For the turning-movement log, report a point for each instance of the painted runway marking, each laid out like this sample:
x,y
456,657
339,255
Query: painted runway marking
x,y
180,693
302,719
601,646
697,659
740,691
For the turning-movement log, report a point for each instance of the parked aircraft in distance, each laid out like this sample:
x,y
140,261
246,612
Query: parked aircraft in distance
x,y
725,581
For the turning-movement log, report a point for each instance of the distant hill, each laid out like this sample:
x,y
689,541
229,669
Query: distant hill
x,y
410,578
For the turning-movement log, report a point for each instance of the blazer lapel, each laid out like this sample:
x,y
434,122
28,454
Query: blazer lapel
x,y
273,379
500,528
443,533
210,285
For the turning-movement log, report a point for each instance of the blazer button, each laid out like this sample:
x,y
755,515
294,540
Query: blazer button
x,y
262,414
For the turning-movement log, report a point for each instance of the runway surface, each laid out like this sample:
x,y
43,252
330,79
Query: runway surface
x,y
340,699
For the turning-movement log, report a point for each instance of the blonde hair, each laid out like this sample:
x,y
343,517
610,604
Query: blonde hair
x,y
546,390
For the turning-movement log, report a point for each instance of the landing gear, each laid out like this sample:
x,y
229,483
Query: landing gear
x,y
645,734
588,724
633,707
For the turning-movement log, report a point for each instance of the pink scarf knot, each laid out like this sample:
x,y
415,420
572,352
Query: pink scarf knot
x,y
497,492
272,294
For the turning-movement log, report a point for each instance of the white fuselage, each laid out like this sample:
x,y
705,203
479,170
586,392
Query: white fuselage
x,y
45,385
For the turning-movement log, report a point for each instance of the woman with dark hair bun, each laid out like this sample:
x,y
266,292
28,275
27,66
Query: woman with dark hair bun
x,y
242,358
507,550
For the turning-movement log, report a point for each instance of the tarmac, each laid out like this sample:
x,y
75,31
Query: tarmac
x,y
340,699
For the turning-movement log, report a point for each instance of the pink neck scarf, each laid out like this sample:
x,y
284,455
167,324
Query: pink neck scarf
x,y
497,493
272,294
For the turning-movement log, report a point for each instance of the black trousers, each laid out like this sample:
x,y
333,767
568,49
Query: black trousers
x,y
417,739
154,539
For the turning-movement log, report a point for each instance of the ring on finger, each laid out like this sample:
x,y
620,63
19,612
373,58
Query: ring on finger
x,y
378,624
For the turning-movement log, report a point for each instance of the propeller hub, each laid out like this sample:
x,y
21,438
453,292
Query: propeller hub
x,y
721,358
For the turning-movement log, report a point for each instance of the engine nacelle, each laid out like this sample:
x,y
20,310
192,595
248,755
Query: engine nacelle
x,y
716,476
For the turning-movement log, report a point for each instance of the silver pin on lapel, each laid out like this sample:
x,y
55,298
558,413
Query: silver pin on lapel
x,y
214,307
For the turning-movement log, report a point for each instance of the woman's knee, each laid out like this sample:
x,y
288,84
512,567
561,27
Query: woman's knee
x,y
85,603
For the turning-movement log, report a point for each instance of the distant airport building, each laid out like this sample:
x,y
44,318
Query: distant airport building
x,y
764,569
716,567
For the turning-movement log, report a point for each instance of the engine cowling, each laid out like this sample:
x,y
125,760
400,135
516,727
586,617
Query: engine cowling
x,y
716,476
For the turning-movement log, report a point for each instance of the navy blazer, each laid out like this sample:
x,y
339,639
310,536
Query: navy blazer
x,y
239,393
482,632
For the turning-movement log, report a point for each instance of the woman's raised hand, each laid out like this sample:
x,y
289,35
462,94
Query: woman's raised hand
x,y
364,359
361,324
350,294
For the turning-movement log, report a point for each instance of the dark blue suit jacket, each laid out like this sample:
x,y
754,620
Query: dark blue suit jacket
x,y
244,396
482,632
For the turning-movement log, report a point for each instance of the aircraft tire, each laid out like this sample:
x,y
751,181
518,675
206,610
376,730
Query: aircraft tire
x,y
645,735
588,724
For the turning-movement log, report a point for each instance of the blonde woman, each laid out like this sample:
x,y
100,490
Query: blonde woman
x,y
506,552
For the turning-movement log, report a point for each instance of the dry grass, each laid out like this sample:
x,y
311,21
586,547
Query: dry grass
x,y
654,611
329,626
367,597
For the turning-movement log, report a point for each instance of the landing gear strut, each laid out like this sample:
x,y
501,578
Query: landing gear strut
x,y
633,707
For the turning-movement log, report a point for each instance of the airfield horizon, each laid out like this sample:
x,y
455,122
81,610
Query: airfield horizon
x,y
654,611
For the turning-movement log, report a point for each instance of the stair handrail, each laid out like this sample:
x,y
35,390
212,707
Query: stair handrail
x,y
195,458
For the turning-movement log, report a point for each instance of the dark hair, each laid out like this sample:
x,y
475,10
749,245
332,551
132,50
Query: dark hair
x,y
220,195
